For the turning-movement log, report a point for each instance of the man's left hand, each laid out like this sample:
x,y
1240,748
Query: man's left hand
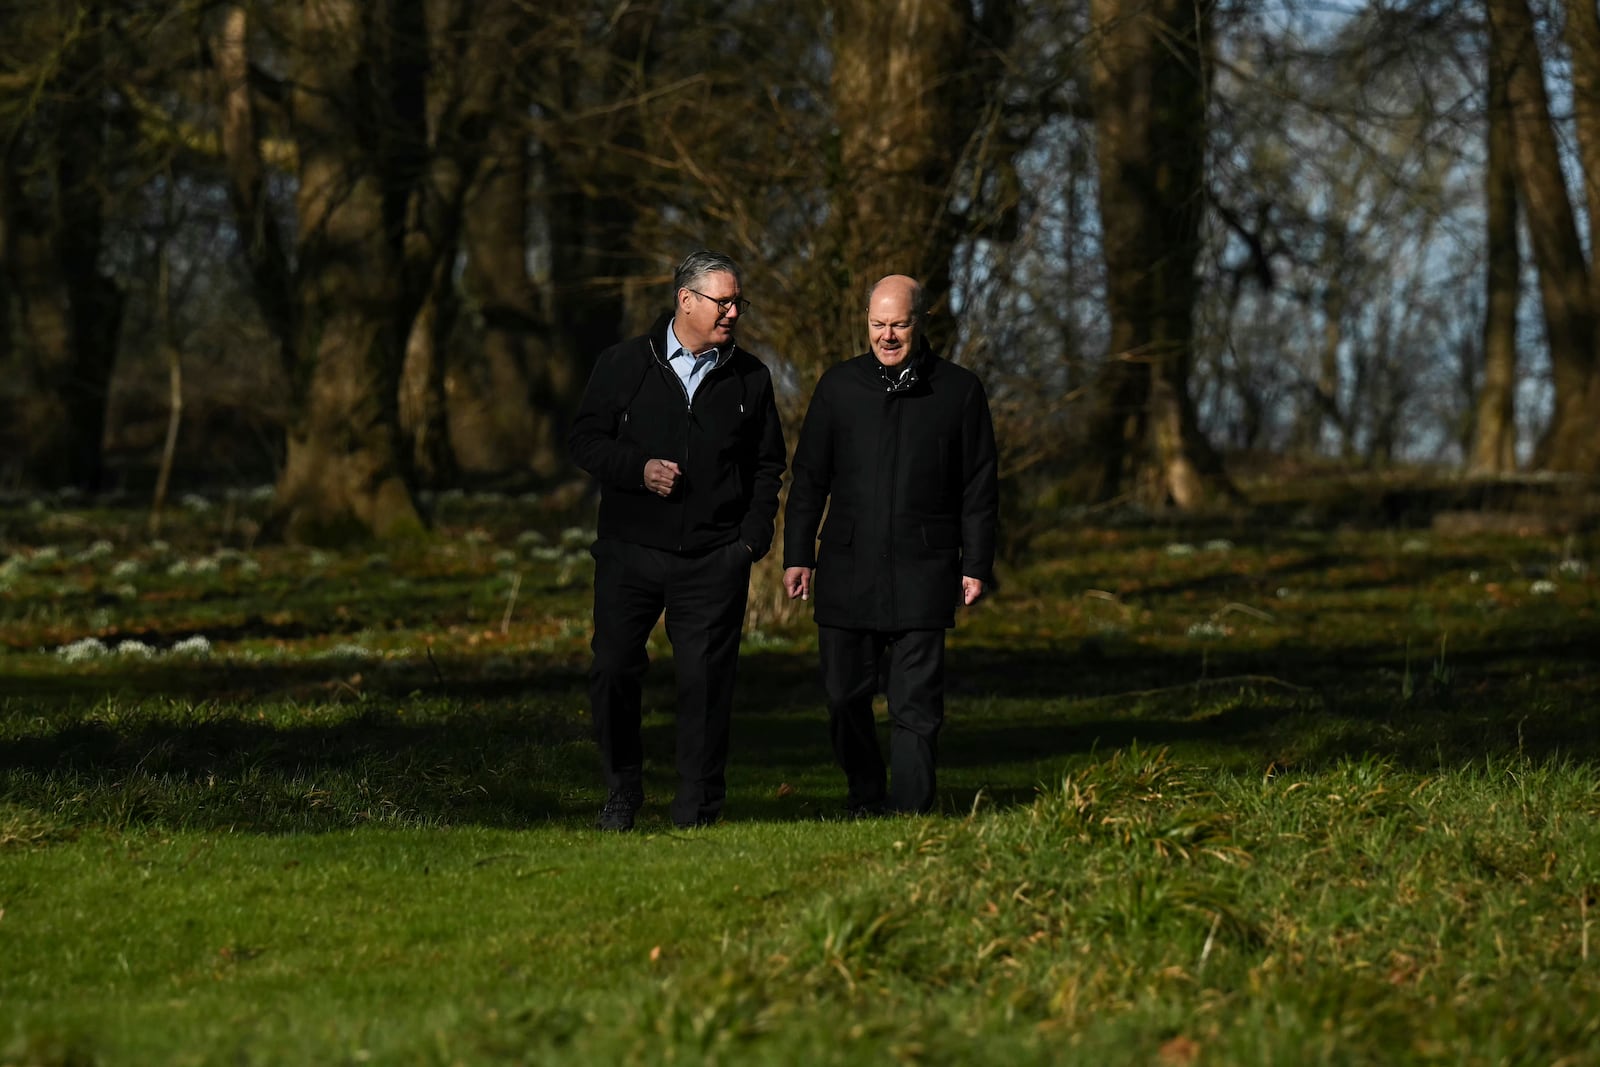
x,y
971,590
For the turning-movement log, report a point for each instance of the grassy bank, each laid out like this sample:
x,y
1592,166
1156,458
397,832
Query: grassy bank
x,y
1209,796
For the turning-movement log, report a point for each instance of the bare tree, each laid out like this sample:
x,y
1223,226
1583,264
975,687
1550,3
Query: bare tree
x,y
386,112
1566,289
62,158
1494,437
1150,85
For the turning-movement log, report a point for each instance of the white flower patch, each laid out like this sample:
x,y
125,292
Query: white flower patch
x,y
78,651
194,503
529,538
1207,630
1543,587
1180,548
261,494
1220,544
198,646
377,561
1414,545
529,498
576,537
1572,568
137,649
505,558
126,591
44,554
159,547
319,558
126,568
1474,577
249,568
547,554
99,550
476,536
348,651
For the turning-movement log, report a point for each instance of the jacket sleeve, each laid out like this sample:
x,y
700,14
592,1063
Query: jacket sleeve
x,y
756,530
810,482
980,497
594,441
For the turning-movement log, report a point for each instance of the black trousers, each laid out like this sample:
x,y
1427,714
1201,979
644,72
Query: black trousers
x,y
914,684
704,600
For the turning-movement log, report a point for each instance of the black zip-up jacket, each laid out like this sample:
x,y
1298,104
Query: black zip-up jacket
x,y
728,444
907,470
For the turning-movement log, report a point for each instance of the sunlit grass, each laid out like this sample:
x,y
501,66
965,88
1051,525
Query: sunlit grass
x,y
1231,795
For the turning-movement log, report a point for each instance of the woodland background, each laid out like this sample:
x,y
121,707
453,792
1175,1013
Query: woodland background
x,y
365,250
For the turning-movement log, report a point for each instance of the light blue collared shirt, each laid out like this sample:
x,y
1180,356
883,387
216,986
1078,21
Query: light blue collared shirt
x,y
690,367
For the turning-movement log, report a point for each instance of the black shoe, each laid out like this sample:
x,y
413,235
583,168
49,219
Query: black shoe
x,y
696,824
620,807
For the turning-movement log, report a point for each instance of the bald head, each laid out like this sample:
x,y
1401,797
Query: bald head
x,y
895,310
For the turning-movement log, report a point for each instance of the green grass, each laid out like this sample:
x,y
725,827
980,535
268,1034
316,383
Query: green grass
x,y
1223,796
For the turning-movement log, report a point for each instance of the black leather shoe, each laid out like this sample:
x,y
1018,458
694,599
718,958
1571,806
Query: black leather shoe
x,y
620,807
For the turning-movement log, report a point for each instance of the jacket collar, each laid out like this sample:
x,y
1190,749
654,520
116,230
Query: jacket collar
x,y
904,378
658,343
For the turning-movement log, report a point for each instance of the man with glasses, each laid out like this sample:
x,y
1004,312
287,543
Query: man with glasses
x,y
899,445
680,429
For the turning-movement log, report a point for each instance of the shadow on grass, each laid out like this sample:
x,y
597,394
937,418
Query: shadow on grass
x,y
302,747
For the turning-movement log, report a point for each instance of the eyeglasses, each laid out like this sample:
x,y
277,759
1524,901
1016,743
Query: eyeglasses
x,y
725,304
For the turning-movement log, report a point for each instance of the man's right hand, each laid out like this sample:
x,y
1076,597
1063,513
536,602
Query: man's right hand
x,y
661,476
797,582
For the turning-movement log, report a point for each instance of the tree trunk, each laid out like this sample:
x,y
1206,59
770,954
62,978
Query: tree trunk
x,y
260,237
1149,82
910,80
69,311
508,417
1494,439
345,474
1571,441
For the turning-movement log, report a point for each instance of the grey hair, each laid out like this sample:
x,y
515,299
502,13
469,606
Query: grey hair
x,y
919,298
691,273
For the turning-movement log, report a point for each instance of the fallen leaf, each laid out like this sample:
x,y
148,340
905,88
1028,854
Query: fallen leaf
x,y
1180,1051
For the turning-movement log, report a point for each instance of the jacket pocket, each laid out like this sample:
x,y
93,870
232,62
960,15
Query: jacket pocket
x,y
839,531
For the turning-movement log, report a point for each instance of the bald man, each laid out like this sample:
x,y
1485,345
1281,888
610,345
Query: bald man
x,y
898,446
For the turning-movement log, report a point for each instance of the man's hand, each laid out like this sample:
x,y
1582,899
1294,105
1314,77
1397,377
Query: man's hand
x,y
971,590
661,476
797,582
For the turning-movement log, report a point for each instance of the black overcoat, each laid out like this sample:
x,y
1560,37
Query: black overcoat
x,y
908,478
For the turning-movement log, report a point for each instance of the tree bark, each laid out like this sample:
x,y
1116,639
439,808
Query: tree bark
x,y
1494,437
910,82
69,310
345,474
1571,442
261,239
1149,81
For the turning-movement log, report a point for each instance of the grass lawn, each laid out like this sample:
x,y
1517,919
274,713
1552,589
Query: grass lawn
x,y
1247,794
